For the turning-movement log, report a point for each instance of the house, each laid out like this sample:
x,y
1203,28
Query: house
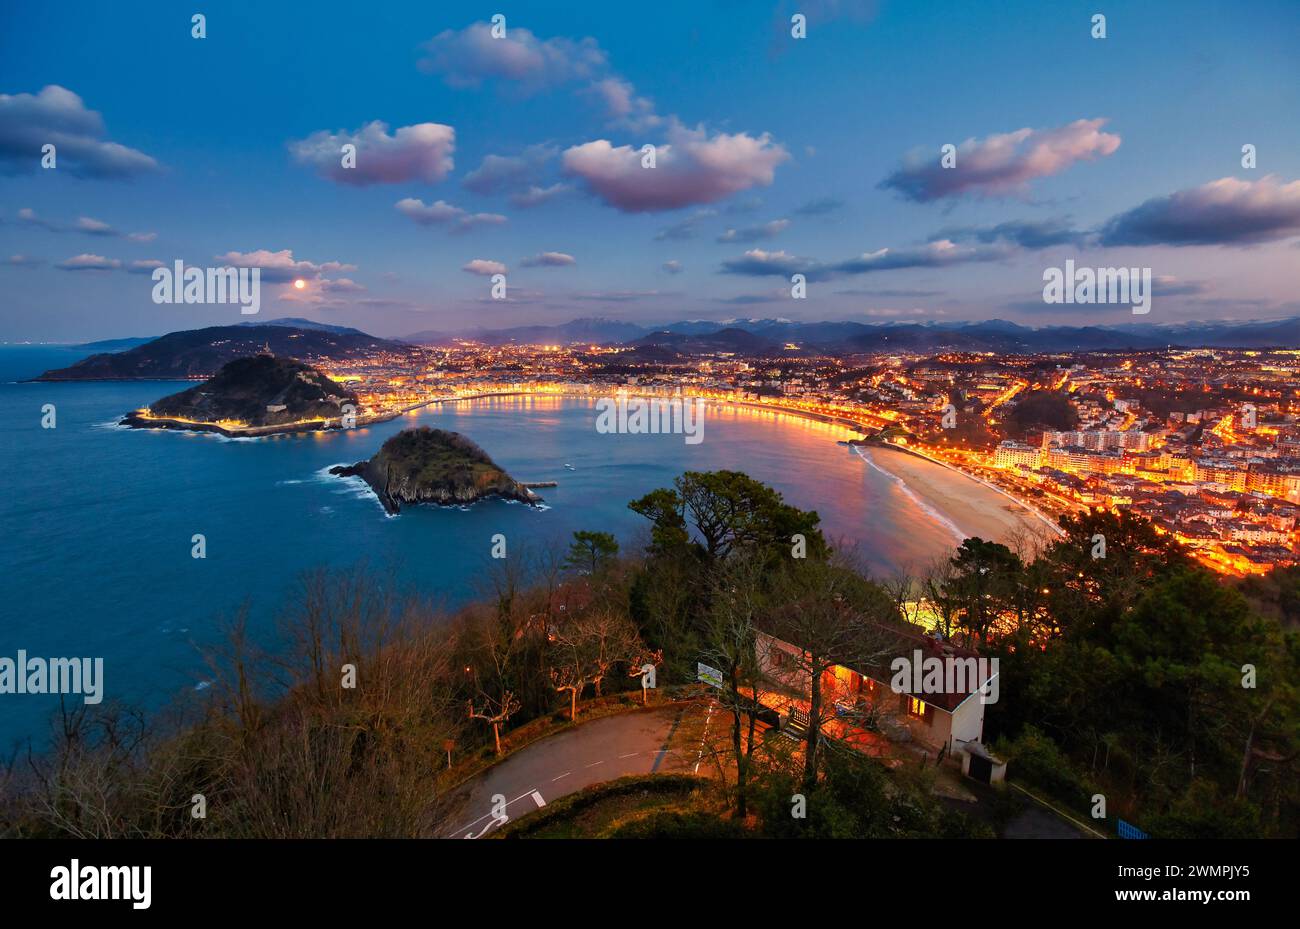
x,y
915,688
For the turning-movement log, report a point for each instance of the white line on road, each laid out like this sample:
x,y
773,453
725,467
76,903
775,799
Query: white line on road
x,y
594,763
565,774
537,798
628,755
704,735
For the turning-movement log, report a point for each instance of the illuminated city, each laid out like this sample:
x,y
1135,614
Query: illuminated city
x,y
1204,443
681,423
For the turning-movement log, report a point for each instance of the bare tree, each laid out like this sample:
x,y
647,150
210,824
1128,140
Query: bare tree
x,y
935,586
733,644
496,651
572,661
611,639
496,711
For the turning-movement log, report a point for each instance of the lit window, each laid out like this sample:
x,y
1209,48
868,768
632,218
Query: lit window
x,y
916,707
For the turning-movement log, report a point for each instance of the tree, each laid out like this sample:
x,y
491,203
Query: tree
x,y
833,617
1104,565
591,551
610,639
663,508
585,647
665,602
726,511
498,644
734,644
985,583
571,667
496,711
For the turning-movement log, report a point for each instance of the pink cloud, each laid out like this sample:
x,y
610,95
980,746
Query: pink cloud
x,y
420,152
999,165
691,168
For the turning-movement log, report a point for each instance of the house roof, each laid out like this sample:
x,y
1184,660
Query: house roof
x,y
905,641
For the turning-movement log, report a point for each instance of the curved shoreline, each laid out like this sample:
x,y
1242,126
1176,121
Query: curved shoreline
x,y
134,420
939,509
1030,508
945,517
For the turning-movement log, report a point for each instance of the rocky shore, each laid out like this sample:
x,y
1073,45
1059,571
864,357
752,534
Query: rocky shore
x,y
427,465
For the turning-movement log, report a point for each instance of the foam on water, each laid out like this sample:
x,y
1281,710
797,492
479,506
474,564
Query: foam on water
x,y
912,495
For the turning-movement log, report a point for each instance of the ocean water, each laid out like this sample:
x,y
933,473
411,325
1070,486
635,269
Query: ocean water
x,y
96,521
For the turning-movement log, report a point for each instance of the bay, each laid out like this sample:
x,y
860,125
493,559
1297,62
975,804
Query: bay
x,y
96,521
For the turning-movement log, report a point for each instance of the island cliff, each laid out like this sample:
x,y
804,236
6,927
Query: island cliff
x,y
426,465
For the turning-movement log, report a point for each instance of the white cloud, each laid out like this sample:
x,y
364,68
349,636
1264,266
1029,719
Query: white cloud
x,y
549,260
442,213
58,117
86,262
1223,212
420,152
1003,164
692,167
280,266
468,57
484,267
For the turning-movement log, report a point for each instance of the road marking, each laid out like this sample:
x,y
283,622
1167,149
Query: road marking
x,y
659,755
496,820
483,831
466,831
704,735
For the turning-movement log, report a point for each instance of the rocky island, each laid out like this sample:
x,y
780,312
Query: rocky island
x,y
425,465
260,395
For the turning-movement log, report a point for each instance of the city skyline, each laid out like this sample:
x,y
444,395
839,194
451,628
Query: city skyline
x,y
522,154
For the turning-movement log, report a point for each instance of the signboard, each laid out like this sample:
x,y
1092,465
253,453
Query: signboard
x,y
708,675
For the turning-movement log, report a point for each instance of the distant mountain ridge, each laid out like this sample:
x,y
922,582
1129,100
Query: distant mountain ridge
x,y
193,353
297,322
592,330
848,337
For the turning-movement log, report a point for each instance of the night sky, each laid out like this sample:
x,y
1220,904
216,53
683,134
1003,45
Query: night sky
x,y
522,154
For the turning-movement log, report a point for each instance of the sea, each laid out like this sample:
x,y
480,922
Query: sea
x,y
97,522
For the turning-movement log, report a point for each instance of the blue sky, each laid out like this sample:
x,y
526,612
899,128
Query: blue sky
x,y
819,154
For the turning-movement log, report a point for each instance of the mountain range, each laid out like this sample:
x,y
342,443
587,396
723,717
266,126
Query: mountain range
x,y
762,336
195,353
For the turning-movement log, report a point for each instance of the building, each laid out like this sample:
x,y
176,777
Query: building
x,y
1274,482
918,689
1011,454
1222,471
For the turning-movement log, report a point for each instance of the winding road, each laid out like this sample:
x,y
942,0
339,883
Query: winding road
x,y
604,749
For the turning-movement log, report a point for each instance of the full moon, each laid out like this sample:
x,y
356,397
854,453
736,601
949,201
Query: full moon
x,y
299,284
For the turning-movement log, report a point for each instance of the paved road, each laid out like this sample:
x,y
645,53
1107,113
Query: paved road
x,y
590,753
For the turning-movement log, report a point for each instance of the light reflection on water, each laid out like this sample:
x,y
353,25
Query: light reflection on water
x,y
97,521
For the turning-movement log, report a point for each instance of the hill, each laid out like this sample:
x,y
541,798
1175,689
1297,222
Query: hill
x,y
194,353
251,392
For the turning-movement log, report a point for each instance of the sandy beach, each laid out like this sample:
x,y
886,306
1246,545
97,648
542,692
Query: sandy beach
x,y
966,506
